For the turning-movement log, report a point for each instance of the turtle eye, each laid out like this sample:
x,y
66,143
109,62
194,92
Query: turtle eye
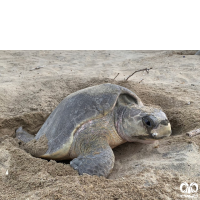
x,y
148,121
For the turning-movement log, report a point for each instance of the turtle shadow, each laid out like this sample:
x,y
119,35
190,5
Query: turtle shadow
x,y
66,162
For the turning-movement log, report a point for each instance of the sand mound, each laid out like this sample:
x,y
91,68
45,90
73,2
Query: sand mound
x,y
136,175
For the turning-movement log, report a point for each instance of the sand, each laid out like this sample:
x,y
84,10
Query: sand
x,y
32,83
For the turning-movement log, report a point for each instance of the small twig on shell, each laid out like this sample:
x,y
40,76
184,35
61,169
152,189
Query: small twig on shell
x,y
141,80
116,76
146,69
35,68
193,132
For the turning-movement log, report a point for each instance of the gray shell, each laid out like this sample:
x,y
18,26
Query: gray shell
x,y
80,107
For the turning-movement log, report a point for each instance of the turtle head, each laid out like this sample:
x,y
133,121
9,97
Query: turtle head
x,y
143,124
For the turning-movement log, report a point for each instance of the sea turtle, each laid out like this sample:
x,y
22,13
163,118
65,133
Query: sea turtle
x,y
87,124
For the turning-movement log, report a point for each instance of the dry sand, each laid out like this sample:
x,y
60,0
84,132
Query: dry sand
x,y
32,83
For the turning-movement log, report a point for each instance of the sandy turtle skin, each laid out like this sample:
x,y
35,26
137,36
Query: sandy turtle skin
x,y
89,123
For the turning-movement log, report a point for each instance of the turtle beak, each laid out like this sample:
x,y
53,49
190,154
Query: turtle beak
x,y
161,131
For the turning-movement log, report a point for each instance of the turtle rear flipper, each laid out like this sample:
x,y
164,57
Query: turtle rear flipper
x,y
100,162
23,135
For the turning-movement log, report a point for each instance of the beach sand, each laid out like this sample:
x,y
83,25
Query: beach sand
x,y
33,83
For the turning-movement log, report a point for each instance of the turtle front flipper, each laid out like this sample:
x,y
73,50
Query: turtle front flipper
x,y
98,161
23,135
